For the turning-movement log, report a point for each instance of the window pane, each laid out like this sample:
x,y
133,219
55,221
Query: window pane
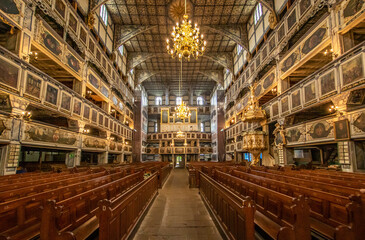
x,y
178,101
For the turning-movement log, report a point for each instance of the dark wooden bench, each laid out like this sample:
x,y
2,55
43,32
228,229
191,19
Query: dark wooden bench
x,y
332,216
234,214
118,217
279,215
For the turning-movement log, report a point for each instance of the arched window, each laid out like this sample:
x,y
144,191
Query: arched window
x,y
199,101
178,101
202,127
158,101
258,13
104,14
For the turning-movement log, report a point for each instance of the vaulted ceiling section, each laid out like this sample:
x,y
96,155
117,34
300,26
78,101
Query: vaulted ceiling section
x,y
143,26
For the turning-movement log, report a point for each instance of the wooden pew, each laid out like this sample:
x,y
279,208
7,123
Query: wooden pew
x,y
22,215
234,214
163,173
77,214
333,216
118,217
279,215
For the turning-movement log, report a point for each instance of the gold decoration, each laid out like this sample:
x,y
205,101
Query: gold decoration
x,y
182,111
254,143
186,41
180,134
272,20
90,20
253,112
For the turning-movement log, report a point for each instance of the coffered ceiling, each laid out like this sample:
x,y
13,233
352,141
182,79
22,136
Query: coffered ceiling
x,y
143,26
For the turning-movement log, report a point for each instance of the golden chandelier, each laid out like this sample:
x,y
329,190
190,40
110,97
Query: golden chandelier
x,y
180,134
182,111
187,41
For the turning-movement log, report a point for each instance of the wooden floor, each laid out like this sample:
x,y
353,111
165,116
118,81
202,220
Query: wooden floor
x,y
177,213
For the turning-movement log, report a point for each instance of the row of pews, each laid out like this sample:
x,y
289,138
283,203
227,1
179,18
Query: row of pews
x,y
73,204
287,203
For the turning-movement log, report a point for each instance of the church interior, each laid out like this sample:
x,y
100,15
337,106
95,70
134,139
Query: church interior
x,y
182,119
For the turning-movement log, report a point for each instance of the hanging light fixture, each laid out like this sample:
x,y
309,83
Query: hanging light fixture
x,y
182,111
186,40
180,134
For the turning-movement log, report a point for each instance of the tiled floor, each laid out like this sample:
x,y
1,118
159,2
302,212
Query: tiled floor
x,y
177,213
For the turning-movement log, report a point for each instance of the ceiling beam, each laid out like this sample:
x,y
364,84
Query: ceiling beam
x,y
222,58
143,75
124,33
215,75
273,18
235,33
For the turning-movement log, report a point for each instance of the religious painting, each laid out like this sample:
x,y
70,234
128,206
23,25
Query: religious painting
x,y
73,62
252,68
94,116
86,111
281,32
356,97
104,91
314,40
360,122
72,22
342,131
292,19
269,80
293,135
60,7
328,83
320,130
106,122
94,81
66,101
310,92
165,116
28,18
9,7
51,43
272,44
284,105
9,74
115,100
258,61
51,94
352,8
247,73
77,107
275,109
289,62
104,62
295,99
94,143
258,90
352,70
91,46
101,119
33,86
46,134
303,6
83,34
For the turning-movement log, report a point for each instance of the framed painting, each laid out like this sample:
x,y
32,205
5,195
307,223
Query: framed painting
x,y
10,7
289,62
9,74
295,99
292,19
101,119
91,46
304,6
272,44
314,40
51,94
94,80
66,101
28,18
269,80
77,107
284,105
86,113
98,55
94,116
72,22
341,130
33,86
275,109
310,92
281,32
105,91
83,35
26,44
51,43
60,8
106,122
352,70
73,62
327,83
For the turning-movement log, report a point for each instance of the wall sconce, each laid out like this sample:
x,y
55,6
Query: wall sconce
x,y
89,92
333,108
111,138
24,115
31,56
327,52
112,110
86,131
274,90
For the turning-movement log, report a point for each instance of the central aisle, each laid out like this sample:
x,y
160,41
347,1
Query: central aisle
x,y
177,213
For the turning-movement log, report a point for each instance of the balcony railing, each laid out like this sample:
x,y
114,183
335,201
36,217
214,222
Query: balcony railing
x,y
179,150
173,135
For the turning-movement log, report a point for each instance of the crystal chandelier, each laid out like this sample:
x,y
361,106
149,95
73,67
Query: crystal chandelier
x,y
182,111
186,40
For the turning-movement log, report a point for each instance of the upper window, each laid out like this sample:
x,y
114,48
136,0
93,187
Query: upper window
x,y
121,50
158,101
104,14
258,13
199,101
239,49
202,127
178,101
